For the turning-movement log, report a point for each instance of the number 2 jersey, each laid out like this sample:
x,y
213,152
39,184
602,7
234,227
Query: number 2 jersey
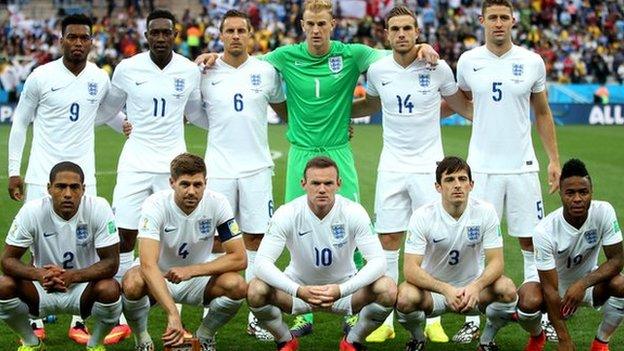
x,y
452,249
574,252
69,244
186,239
501,88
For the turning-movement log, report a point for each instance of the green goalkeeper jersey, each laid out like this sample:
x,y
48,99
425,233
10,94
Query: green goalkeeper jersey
x,y
319,90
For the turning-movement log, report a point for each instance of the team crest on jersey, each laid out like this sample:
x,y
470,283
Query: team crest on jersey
x,y
81,234
92,88
204,226
256,80
335,64
517,69
178,84
424,80
474,232
338,231
591,236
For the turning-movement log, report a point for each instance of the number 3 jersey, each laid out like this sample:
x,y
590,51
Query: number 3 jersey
x,y
63,109
155,101
410,99
186,239
501,88
453,249
574,252
236,101
69,244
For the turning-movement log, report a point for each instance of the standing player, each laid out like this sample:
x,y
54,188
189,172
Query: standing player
x,y
321,231
75,249
236,94
505,80
409,94
176,235
567,244
155,87
443,266
62,99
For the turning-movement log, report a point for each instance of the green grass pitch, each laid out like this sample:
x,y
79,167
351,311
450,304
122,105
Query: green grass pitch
x,y
597,146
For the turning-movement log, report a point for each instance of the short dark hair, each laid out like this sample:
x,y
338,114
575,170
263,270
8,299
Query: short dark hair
x,y
320,162
574,168
160,13
452,164
490,3
78,18
187,164
401,11
235,13
66,166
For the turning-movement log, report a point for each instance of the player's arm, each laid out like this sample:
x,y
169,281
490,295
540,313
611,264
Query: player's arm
x,y
546,130
281,108
415,275
13,266
195,111
111,105
365,106
550,290
457,103
149,250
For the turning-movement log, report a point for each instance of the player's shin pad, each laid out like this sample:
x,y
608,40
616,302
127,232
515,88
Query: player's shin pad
x,y
612,318
270,318
370,318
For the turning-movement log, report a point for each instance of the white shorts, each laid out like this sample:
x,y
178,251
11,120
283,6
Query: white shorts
x,y
189,292
440,307
251,199
60,302
341,306
131,189
520,195
36,191
397,195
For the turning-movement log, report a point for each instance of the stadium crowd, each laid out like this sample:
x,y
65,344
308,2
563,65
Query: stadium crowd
x,y
580,40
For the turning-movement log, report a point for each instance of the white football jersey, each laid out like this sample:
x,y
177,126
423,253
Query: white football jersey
x,y
69,244
63,109
185,239
410,102
501,89
453,249
236,101
155,101
321,251
574,252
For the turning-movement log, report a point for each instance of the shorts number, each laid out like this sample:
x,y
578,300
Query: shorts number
x,y
575,261
498,94
323,257
453,257
540,209
68,260
238,102
183,251
74,112
163,103
405,103
271,208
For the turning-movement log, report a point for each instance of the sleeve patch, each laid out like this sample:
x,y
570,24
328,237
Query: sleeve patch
x,y
616,226
112,229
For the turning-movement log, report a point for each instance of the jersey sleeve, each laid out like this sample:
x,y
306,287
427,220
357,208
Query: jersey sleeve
x,y
543,249
612,234
276,95
227,227
371,83
151,220
194,109
21,232
540,82
276,57
106,231
416,241
365,56
23,115
448,85
461,68
115,98
492,238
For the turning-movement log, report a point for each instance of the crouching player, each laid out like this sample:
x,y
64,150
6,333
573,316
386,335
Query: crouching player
x,y
567,244
176,233
75,247
443,260
321,230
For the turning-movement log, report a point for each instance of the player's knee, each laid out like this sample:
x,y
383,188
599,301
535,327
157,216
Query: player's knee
x,y
530,298
252,241
106,290
235,286
133,284
257,293
390,241
385,290
505,289
616,286
408,298
8,287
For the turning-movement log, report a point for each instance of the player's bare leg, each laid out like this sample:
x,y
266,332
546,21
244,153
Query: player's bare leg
x,y
17,300
101,300
609,295
499,300
252,242
530,306
136,306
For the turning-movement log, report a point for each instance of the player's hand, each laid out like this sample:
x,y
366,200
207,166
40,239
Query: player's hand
x,y
126,128
453,298
470,297
572,299
68,278
174,333
328,294
178,274
51,280
206,61
16,188
309,295
428,54
554,172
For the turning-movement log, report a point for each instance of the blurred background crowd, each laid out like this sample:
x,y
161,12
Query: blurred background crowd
x,y
581,41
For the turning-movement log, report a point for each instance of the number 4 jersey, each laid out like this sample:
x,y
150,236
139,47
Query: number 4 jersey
x,y
69,244
186,239
501,88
